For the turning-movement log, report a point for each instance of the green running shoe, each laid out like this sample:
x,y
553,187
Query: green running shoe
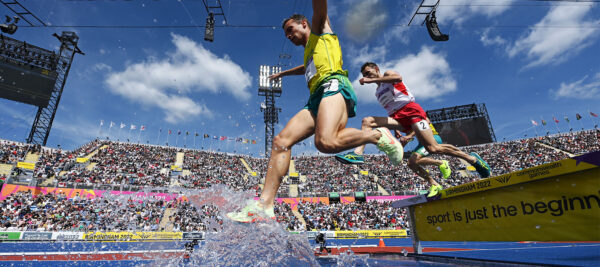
x,y
350,158
481,166
434,190
252,213
389,145
445,169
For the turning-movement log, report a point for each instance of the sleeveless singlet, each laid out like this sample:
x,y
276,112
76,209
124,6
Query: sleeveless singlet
x,y
322,58
393,96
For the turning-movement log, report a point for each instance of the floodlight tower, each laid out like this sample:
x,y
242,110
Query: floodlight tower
x,y
269,89
40,130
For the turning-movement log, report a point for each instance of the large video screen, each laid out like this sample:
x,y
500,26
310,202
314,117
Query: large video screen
x,y
464,132
29,85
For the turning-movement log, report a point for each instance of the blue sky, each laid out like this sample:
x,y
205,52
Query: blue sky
x,y
524,59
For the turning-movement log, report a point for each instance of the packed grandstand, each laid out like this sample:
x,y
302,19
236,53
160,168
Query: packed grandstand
x,y
39,184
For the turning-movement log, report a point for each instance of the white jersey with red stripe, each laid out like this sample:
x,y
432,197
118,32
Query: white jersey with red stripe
x,y
393,96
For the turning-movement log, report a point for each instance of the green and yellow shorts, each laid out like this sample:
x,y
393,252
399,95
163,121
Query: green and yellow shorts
x,y
330,86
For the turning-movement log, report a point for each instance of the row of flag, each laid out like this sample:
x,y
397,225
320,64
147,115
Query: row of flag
x,y
179,132
577,116
131,127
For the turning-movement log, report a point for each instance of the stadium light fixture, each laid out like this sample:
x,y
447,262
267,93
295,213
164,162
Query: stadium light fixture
x,y
8,27
264,82
209,30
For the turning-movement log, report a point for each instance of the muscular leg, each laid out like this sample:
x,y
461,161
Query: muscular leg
x,y
300,127
426,138
413,164
422,161
369,123
331,136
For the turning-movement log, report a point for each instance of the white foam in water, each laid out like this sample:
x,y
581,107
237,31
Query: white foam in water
x,y
239,244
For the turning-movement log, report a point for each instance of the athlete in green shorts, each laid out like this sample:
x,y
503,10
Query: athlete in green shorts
x,y
419,158
332,101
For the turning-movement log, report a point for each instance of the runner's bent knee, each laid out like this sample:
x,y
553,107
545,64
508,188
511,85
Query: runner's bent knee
x,y
281,142
368,121
433,149
326,145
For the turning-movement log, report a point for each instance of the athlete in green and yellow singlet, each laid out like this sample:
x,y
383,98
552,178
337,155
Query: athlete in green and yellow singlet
x,y
331,102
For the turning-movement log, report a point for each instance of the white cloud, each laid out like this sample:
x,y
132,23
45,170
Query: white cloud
x,y
427,74
488,41
166,83
582,89
552,45
359,56
365,19
459,11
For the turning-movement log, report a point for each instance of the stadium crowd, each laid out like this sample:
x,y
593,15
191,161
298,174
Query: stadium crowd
x,y
117,163
352,216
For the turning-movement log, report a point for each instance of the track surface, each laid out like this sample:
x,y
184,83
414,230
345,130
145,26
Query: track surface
x,y
133,253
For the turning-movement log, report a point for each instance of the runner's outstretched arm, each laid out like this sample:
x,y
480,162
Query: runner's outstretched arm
x,y
389,76
320,19
293,71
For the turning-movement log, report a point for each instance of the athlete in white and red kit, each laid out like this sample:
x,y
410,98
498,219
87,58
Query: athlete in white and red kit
x,y
405,115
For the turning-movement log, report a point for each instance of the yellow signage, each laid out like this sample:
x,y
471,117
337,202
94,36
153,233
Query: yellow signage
x,y
370,233
131,236
293,174
253,173
364,172
26,165
176,168
82,160
565,207
527,175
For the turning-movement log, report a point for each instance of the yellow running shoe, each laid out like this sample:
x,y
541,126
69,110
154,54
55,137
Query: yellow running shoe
x,y
252,213
445,169
434,190
390,146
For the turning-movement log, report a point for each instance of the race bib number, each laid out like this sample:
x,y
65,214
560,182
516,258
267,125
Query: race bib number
x,y
311,70
423,125
331,86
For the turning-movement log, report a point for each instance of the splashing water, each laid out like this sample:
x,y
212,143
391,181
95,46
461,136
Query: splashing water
x,y
238,244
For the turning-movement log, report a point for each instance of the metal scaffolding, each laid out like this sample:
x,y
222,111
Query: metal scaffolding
x,y
40,130
269,89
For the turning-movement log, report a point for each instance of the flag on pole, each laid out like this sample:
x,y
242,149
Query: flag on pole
x,y
577,116
122,125
543,122
179,132
206,136
187,133
534,123
555,119
567,119
132,127
594,114
253,142
223,138
160,130
111,124
170,132
102,122
197,134
245,141
143,128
